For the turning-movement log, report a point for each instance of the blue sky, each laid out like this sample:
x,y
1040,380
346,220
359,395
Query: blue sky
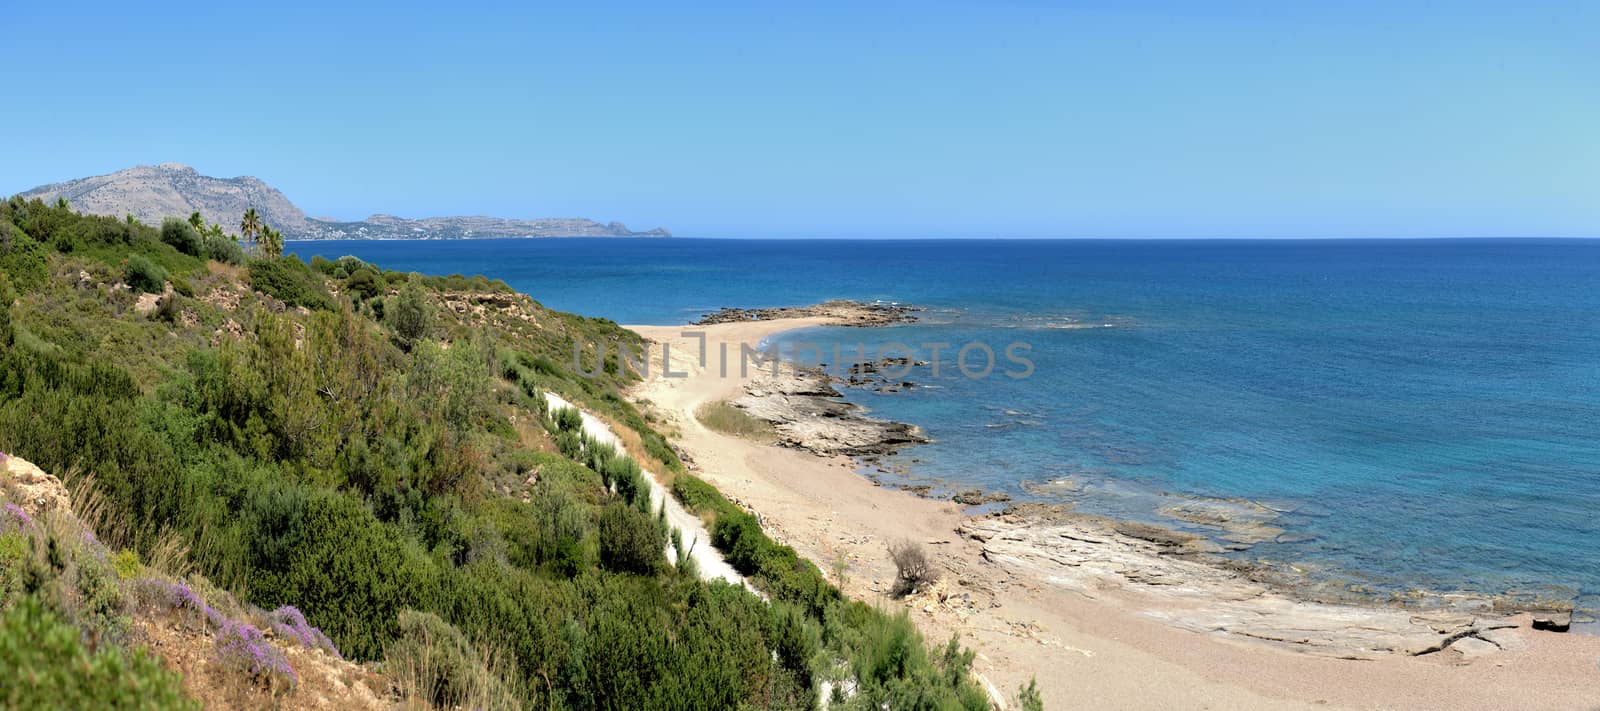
x,y
940,119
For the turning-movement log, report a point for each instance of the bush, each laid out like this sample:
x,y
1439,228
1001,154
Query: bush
x,y
224,249
145,276
630,540
167,309
365,282
47,667
182,236
724,417
776,568
7,297
913,570
1028,697
409,314
291,281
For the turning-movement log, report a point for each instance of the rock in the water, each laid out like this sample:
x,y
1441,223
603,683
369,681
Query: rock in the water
x,y
841,311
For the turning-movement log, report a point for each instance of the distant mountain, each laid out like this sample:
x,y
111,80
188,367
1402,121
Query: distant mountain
x,y
150,193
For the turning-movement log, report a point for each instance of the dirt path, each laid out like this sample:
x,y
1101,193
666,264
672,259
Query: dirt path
x,y
691,529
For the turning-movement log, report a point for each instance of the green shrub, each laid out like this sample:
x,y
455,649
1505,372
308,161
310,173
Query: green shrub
x,y
365,282
347,266
409,314
223,248
7,297
723,417
145,276
182,236
47,667
1028,697
699,497
322,264
291,281
26,261
630,540
126,564
778,569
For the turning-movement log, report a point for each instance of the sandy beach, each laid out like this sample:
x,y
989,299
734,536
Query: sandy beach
x,y
1105,616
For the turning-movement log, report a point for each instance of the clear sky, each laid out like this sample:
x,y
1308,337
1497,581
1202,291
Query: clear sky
x,y
941,119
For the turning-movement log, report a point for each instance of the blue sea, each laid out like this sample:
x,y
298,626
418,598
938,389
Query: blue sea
x,y
1421,413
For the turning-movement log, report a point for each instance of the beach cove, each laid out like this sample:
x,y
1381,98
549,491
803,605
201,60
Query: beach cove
x,y
1101,611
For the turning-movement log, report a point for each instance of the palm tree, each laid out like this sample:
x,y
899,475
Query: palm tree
x,y
271,241
250,227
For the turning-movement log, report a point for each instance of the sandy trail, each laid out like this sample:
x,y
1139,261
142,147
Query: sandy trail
x,y
1087,648
691,529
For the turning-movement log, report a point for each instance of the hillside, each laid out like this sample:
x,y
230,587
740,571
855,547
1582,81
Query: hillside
x,y
150,193
329,485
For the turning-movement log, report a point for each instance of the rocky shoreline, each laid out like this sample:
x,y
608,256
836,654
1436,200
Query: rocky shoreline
x,y
810,414
1180,577
841,312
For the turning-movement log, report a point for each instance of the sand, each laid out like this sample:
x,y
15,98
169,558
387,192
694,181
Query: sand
x,y
1088,647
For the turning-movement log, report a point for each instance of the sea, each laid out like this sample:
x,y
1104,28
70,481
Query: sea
x,y
1411,413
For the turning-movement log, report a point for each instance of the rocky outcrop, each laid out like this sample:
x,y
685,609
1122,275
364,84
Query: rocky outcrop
x,y
1552,620
841,312
473,227
151,193
809,414
1170,576
34,491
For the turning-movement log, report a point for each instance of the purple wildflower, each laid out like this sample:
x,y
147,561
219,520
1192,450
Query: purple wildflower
x,y
287,621
22,517
242,647
181,597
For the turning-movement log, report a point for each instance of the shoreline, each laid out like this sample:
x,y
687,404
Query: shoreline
x,y
1102,616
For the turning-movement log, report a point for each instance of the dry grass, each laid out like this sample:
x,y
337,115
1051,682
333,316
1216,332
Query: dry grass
x,y
433,665
724,417
95,513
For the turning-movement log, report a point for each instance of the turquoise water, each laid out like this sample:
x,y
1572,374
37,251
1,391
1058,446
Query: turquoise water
x,y
1424,413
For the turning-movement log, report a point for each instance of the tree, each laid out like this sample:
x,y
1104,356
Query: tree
x,y
271,241
409,314
181,235
196,221
250,226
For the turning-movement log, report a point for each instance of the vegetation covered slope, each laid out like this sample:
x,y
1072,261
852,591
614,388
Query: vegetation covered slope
x,y
372,448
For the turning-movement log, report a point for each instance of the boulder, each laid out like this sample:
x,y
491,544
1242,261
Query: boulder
x,y
28,486
1552,620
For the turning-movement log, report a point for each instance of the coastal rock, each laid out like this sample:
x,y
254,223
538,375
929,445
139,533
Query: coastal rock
x,y
978,497
1552,620
840,311
807,413
1240,522
36,492
1198,592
